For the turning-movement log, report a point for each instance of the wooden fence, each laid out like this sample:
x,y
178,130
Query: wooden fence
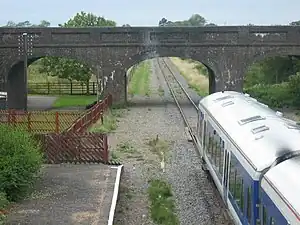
x,y
75,147
91,116
39,121
72,88
63,134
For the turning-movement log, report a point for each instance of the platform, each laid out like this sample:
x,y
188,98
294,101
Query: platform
x,y
70,194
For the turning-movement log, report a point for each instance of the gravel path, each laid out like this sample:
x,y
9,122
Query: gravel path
x,y
195,200
40,102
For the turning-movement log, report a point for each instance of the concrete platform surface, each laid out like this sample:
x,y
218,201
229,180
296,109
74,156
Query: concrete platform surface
x,y
69,194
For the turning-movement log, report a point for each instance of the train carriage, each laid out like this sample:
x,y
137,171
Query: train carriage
x,y
239,139
280,193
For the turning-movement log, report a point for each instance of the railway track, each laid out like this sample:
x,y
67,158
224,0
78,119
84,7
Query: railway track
x,y
189,116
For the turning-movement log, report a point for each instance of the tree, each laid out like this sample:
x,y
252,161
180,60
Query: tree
x,y
68,68
194,20
295,23
26,23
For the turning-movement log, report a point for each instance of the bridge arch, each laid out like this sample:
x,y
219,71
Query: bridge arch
x,y
15,78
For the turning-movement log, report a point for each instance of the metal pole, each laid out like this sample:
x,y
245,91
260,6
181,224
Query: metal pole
x,y
25,55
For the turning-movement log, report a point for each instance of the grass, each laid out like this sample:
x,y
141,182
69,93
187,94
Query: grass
x,y
126,149
159,147
109,123
110,120
73,100
196,80
139,82
162,205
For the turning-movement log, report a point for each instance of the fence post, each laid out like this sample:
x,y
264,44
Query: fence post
x,y
71,86
94,88
105,149
87,87
48,86
9,116
56,122
29,121
14,117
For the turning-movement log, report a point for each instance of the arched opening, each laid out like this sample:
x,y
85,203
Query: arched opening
x,y
275,81
145,77
52,82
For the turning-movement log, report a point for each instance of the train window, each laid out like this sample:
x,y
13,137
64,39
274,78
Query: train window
x,y
232,176
200,130
222,153
249,204
272,221
204,135
209,145
242,196
239,192
264,215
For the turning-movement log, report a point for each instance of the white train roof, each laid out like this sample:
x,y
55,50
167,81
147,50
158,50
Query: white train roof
x,y
284,179
261,134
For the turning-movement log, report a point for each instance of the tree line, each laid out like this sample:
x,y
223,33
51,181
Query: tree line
x,y
276,81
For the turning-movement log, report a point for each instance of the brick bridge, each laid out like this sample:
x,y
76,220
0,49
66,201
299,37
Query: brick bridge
x,y
227,51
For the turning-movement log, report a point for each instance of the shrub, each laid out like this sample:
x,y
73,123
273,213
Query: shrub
x,y
20,160
276,95
294,88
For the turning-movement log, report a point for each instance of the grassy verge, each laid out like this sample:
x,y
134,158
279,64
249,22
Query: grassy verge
x,y
189,70
110,120
126,150
139,83
162,205
73,100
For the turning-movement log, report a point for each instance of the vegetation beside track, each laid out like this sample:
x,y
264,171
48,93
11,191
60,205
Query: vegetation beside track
x,y
110,120
20,162
194,74
140,78
162,204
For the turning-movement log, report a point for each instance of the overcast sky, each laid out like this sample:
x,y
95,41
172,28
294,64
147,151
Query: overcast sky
x,y
147,13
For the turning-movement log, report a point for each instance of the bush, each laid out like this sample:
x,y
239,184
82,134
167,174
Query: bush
x,y
20,160
276,95
3,204
294,88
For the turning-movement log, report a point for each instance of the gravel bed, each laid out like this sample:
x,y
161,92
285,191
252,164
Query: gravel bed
x,y
196,202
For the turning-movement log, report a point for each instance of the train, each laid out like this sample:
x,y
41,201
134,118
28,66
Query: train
x,y
252,154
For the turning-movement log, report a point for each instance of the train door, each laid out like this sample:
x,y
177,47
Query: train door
x,y
226,174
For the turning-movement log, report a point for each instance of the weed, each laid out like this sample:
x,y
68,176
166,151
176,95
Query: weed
x,y
126,147
109,123
161,91
162,207
159,147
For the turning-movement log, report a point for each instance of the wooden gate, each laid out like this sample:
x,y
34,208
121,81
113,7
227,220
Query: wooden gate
x,y
75,147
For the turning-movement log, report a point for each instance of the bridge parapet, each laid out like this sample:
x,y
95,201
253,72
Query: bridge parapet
x,y
124,36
